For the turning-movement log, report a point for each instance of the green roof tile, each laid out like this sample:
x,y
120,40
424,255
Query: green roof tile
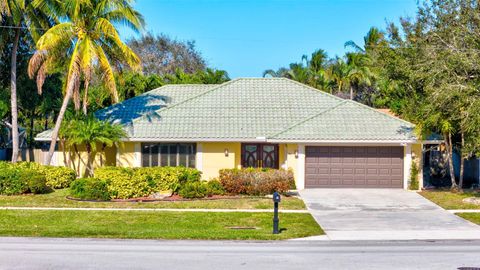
x,y
248,108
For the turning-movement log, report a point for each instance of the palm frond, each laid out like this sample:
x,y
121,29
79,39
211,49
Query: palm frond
x,y
107,73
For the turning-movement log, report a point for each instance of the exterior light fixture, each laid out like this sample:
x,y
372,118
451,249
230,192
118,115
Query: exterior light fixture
x,y
226,152
296,153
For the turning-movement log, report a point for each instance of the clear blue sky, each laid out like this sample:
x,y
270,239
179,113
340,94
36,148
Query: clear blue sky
x,y
245,37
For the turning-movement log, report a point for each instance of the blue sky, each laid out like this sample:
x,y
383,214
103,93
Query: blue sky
x,y
245,37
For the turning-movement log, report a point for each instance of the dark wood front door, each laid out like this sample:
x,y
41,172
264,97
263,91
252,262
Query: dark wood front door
x,y
258,155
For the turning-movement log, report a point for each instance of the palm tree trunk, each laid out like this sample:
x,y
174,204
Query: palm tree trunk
x,y
449,147
58,123
89,165
462,163
13,97
85,98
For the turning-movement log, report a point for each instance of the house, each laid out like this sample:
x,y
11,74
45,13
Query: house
x,y
263,122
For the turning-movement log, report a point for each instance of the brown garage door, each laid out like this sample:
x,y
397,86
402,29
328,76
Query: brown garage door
x,y
362,167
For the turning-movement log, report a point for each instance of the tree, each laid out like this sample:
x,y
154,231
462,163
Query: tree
x,y
86,39
22,14
93,133
162,55
358,71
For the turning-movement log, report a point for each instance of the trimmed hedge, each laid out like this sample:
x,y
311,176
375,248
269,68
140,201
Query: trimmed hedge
x,y
90,189
56,176
15,180
126,183
252,181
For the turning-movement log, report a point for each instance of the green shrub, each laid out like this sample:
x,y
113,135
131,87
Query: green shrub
x,y
188,175
11,181
251,181
214,187
20,178
59,177
36,182
125,183
413,183
192,190
56,176
122,184
160,178
90,189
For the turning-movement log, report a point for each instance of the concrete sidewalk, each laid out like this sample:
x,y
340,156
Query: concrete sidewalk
x,y
383,214
153,209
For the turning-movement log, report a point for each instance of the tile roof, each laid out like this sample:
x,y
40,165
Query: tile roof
x,y
249,108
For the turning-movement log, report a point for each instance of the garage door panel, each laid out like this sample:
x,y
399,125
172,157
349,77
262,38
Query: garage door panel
x,y
353,166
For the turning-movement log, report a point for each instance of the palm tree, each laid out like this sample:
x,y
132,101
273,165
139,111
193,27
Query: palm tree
x,y
279,73
373,39
358,71
316,67
86,39
338,74
91,132
213,76
22,14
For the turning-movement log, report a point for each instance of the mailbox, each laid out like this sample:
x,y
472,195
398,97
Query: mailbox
x,y
276,197
276,200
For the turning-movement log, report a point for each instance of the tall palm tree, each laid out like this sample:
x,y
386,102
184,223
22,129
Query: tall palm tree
x,y
316,67
358,71
338,74
86,39
22,14
373,39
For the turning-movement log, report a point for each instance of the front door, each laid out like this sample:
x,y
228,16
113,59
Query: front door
x,y
259,155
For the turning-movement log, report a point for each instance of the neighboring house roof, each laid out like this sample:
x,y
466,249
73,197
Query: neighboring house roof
x,y
250,109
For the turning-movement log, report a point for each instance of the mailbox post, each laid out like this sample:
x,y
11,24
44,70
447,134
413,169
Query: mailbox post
x,y
276,200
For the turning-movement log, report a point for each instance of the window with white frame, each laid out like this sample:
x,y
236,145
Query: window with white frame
x,y
168,154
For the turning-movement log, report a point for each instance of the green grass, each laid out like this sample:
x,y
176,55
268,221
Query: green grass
x,y
153,225
57,199
451,200
473,217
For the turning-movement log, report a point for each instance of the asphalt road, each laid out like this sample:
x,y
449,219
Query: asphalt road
x,y
46,253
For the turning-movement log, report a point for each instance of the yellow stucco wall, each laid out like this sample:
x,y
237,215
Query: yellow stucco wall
x,y
77,161
292,161
417,158
214,159
126,156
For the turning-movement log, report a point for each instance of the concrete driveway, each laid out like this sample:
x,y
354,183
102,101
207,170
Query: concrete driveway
x,y
383,214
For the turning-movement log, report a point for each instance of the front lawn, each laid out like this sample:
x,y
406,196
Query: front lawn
x,y
157,225
451,200
57,199
473,217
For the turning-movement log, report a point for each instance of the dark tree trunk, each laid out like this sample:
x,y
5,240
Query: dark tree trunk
x,y
462,163
449,149
30,136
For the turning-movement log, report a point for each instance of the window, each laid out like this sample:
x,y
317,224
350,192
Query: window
x,y
168,154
